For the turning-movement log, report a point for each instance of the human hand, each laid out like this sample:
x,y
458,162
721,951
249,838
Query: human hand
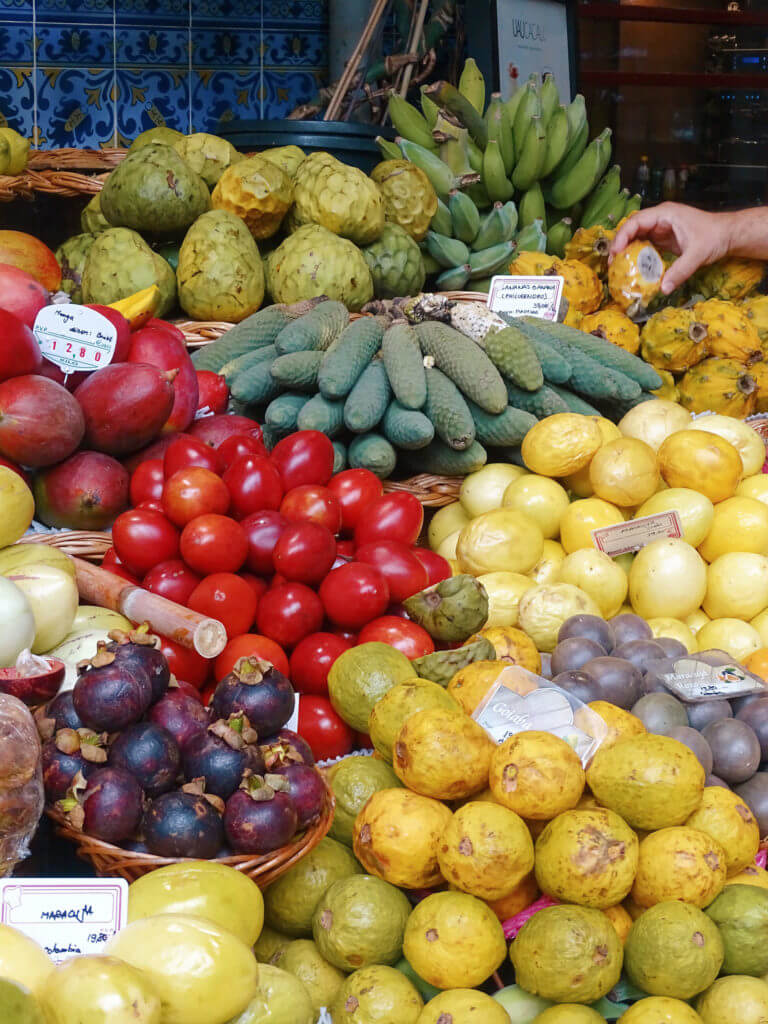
x,y
697,238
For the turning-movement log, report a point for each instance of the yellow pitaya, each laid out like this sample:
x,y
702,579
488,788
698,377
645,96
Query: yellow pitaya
x,y
591,246
614,327
731,334
634,277
582,288
731,279
674,339
719,385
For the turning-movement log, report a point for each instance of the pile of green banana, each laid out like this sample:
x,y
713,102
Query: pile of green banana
x,y
530,148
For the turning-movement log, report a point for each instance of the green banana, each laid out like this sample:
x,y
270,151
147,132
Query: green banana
x,y
558,140
475,156
615,211
577,114
472,85
531,156
579,181
429,109
531,206
510,211
431,266
550,97
388,150
605,153
448,96
441,222
454,279
455,153
497,184
528,108
465,216
449,252
439,173
604,193
409,122
533,238
512,104
558,236
493,228
574,154
498,128
635,203
478,195
486,262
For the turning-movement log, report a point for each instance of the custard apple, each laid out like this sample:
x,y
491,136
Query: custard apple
x,y
154,191
409,198
165,136
256,190
313,261
395,263
92,220
287,157
339,198
220,274
71,256
119,264
208,155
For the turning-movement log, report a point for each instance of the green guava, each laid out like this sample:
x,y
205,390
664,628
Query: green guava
x,y
281,999
270,947
353,781
360,921
377,995
737,999
322,980
741,915
18,1005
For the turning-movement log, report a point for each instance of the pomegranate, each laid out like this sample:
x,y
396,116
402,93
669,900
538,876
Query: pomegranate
x,y
150,754
125,406
85,492
260,816
162,345
22,295
111,807
31,255
140,651
183,824
180,714
19,351
215,429
64,755
40,422
33,679
258,690
108,696
222,755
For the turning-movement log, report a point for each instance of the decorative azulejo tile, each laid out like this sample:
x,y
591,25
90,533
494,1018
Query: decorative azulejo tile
x,y
226,46
143,13
299,48
223,96
75,106
295,12
15,42
284,90
148,97
75,45
17,99
164,46
74,11
248,11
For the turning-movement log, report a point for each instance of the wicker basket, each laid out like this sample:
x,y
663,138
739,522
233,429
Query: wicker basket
x,y
87,544
110,861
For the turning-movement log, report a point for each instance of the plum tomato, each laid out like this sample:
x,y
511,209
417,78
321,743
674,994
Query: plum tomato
x,y
438,568
246,646
396,516
256,583
327,734
173,580
354,594
355,489
147,482
142,538
187,451
193,492
310,503
399,566
305,457
263,530
304,552
289,612
212,391
213,543
405,636
254,485
228,598
312,659
112,564
187,665
239,444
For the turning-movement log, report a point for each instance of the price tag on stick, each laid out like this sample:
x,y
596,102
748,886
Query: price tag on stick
x,y
526,296
75,338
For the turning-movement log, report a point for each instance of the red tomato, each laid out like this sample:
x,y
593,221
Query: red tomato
x,y
213,543
288,613
212,391
237,445
345,634
263,529
147,482
187,451
304,552
173,580
313,504
438,568
396,516
142,538
256,583
305,457
228,598
194,492
156,506
112,564
312,659
185,663
402,634
254,484
398,565
345,548
327,734
355,490
250,645
354,594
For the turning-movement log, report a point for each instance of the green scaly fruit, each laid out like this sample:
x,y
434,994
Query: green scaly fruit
x,y
449,252
498,129
558,140
453,280
493,228
71,256
497,184
578,182
531,206
429,109
442,222
409,122
533,238
395,263
529,106
558,236
602,196
119,264
472,85
550,97
486,262
465,217
532,156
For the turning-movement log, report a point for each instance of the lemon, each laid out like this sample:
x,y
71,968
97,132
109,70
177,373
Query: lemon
x,y
541,498
584,516
744,439
675,630
738,524
737,586
504,591
504,539
724,816
547,569
484,490
447,520
624,472
654,421
544,608
668,578
754,487
560,444
701,461
599,576
696,511
739,639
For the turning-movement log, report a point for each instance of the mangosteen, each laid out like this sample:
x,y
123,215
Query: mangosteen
x,y
652,682
222,754
150,754
139,649
307,791
260,816
617,681
754,793
579,684
58,713
111,806
735,750
660,712
33,679
642,653
588,627
739,703
573,653
628,627
695,742
285,747
672,648
258,690
184,717
64,755
109,696
755,714
704,712
184,823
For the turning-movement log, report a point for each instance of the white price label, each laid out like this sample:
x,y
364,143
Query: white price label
x,y
625,537
75,338
66,916
526,296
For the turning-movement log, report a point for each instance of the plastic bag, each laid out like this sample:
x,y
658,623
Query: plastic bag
x,y
21,782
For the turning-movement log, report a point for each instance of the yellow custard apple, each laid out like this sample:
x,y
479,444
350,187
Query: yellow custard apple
x,y
719,385
731,334
634,277
673,339
614,327
730,279
289,158
257,191
591,246
409,198
582,288
339,198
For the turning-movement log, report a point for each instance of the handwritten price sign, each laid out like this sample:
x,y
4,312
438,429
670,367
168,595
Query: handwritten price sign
x,y
75,337
526,296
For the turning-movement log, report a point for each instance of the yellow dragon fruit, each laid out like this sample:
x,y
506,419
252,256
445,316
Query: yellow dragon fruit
x,y
591,246
582,288
673,339
760,372
731,334
730,279
756,310
669,389
614,327
719,385
531,264
634,277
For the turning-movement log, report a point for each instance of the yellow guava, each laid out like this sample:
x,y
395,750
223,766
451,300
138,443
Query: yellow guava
x,y
679,863
397,705
569,1013
512,646
536,775
377,994
724,816
752,875
621,723
470,685
463,1006
353,780
620,919
523,895
738,998
322,980
660,1010
442,753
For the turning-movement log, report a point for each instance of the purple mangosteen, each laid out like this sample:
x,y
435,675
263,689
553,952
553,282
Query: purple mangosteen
x,y
184,717
184,823
286,747
111,805
260,816
149,753
139,649
307,791
64,755
58,713
109,696
222,755
258,690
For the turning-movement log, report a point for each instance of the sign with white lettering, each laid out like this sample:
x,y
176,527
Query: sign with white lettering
x,y
533,39
526,296
66,916
75,337
625,537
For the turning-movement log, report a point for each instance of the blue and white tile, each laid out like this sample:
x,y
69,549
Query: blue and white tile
x,y
295,12
15,42
226,46
223,96
285,90
234,11
149,97
298,48
75,106
17,99
74,11
141,13
75,45
163,46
